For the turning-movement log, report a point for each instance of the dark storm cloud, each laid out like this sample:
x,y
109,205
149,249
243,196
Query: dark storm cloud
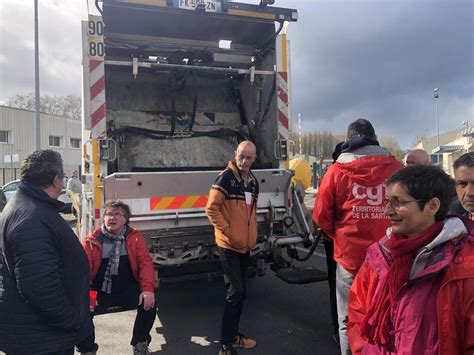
x,y
381,60
378,59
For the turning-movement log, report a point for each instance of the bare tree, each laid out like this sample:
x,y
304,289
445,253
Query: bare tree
x,y
392,144
65,106
419,137
322,144
319,144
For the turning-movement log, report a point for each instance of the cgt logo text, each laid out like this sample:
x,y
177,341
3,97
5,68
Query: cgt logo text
x,y
373,194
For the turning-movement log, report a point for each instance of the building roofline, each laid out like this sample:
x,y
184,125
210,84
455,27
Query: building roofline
x,y
43,113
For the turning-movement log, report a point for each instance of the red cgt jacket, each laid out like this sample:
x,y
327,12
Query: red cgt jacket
x,y
349,207
138,255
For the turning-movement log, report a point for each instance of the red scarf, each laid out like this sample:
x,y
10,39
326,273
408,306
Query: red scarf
x,y
377,324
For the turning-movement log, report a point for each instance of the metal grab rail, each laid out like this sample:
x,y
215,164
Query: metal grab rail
x,y
135,64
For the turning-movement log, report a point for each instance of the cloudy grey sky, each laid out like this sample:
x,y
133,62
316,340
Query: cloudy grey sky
x,y
378,59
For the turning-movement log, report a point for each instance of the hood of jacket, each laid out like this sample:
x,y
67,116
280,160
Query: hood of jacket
x,y
357,142
433,257
363,151
375,166
453,227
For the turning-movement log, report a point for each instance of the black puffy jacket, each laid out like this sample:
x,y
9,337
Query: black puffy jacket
x,y
44,277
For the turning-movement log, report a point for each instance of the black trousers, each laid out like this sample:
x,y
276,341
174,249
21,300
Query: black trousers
x,y
63,352
123,301
234,266
331,265
69,351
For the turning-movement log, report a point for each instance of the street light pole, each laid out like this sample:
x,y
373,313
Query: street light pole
x,y
37,89
436,96
299,133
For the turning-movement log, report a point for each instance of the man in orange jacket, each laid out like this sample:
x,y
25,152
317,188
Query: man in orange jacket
x,y
349,207
232,210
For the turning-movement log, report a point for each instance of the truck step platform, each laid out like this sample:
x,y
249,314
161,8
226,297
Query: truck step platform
x,y
301,275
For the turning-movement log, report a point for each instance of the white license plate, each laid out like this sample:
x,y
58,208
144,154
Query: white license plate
x,y
207,5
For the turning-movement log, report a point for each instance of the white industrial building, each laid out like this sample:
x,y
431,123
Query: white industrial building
x,y
17,140
449,146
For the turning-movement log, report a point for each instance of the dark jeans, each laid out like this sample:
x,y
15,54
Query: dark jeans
x,y
124,301
331,265
234,266
69,351
62,352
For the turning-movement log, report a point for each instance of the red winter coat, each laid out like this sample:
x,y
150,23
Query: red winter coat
x,y
433,313
138,256
349,207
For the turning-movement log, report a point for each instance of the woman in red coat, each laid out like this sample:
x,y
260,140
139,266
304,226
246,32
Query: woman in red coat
x,y
122,274
414,293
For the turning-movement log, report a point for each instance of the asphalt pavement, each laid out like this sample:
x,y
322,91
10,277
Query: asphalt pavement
x,y
284,319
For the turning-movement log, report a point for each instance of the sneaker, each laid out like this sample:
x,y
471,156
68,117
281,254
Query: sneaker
x,y
227,350
241,341
141,349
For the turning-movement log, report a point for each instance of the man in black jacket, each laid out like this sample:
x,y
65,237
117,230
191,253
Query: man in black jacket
x,y
44,277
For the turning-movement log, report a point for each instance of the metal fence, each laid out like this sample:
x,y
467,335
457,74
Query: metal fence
x,y
8,174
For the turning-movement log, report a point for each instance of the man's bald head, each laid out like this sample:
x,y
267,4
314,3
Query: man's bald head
x,y
247,146
418,157
245,155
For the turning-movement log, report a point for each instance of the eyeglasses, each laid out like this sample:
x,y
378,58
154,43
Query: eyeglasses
x,y
395,203
114,214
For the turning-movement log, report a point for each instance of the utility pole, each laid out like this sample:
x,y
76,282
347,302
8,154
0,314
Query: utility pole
x,y
37,88
436,96
299,134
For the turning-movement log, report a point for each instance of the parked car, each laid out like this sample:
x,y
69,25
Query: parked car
x,y
10,188
3,200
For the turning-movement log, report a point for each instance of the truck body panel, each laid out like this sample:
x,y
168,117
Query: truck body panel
x,y
170,89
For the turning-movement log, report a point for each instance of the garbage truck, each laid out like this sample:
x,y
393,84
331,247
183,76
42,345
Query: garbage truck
x,y
170,89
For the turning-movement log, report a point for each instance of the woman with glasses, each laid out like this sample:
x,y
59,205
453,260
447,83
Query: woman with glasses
x,y
414,293
122,275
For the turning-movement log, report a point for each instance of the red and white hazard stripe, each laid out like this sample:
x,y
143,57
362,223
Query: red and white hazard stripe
x,y
283,101
94,76
97,91
283,110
